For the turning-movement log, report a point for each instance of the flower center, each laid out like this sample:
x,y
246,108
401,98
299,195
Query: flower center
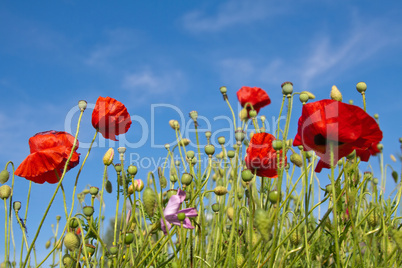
x,y
319,139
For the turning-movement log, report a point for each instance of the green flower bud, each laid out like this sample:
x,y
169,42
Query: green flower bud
x,y
336,94
263,223
380,146
303,98
181,216
296,159
239,260
184,142
395,176
243,114
174,124
113,250
129,238
361,87
277,145
351,102
177,163
215,207
295,238
5,192
109,187
375,181
373,219
47,245
274,197
208,134
220,190
71,241
108,157
149,201
230,212
4,176
252,113
186,178
223,89
287,88
376,116
247,175
68,261
173,178
58,218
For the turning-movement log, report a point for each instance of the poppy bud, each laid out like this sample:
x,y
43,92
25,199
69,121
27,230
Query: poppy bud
x,y
130,190
190,154
230,212
109,187
231,153
239,260
181,216
82,105
273,197
184,142
400,140
177,163
129,238
58,218
173,178
71,241
277,145
311,96
209,149
208,134
93,190
68,261
372,219
17,206
239,135
174,124
90,249
108,157
295,238
5,192
287,88
243,114
4,176
336,94
393,157
113,250
220,190
186,178
380,146
171,193
47,245
296,159
252,113
263,223
361,87
215,207
149,201
304,98
88,211
162,181
395,176
375,181
132,170
351,102
247,175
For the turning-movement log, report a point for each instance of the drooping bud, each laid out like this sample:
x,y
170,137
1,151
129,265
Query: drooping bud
x,y
4,176
5,192
108,157
395,176
109,187
336,94
47,245
230,212
149,201
184,142
220,190
310,95
243,114
296,159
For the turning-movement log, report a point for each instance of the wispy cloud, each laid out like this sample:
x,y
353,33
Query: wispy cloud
x,y
229,14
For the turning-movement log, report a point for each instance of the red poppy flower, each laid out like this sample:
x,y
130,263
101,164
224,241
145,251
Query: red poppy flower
x,y
49,153
365,154
348,127
253,95
261,157
110,117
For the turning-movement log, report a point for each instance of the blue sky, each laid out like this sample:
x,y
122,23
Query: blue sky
x,y
157,53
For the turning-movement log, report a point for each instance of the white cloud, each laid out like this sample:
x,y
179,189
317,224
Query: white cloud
x,y
231,13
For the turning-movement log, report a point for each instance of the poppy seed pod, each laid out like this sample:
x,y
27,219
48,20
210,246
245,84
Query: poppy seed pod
x,y
71,241
121,150
239,135
247,175
336,94
376,116
118,168
220,190
88,211
361,87
82,104
223,89
190,154
252,113
162,181
181,216
4,176
5,192
129,238
209,149
17,206
132,170
221,140
113,250
73,223
303,98
194,115
215,207
171,193
108,157
277,145
231,153
287,88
